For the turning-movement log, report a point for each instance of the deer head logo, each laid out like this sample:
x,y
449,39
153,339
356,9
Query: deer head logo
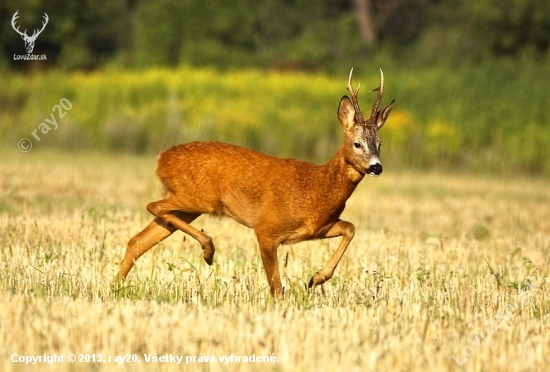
x,y
29,40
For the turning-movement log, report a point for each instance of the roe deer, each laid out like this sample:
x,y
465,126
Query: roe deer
x,y
284,200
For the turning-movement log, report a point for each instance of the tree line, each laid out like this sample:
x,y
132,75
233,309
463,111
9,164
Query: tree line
x,y
279,34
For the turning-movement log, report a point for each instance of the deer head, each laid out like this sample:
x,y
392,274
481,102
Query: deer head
x,y
362,145
29,40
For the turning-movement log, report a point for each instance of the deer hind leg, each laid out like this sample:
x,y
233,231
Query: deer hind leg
x,y
268,252
154,233
340,228
169,213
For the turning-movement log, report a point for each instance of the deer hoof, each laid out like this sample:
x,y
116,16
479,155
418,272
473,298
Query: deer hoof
x,y
208,250
209,260
316,280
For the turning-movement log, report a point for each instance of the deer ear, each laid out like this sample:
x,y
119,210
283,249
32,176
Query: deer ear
x,y
383,115
346,113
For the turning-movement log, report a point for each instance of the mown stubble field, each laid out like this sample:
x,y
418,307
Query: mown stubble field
x,y
441,266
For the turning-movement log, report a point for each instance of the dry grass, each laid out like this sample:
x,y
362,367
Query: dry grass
x,y
434,259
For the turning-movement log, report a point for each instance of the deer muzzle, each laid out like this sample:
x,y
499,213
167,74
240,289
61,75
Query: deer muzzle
x,y
375,168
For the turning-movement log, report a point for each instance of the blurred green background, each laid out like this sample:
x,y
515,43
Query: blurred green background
x,y
470,78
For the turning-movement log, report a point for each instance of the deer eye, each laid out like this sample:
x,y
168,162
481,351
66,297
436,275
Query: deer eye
x,y
357,145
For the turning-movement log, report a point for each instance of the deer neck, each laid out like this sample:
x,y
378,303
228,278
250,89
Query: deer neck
x,y
340,174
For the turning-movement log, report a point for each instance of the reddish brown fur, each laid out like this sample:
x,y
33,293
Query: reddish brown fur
x,y
284,200
256,189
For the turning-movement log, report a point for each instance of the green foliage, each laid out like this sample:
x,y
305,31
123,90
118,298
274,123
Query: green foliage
x,y
241,34
481,232
488,117
465,31
293,34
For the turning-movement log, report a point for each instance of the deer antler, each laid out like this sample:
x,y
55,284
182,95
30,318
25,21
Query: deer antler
x,y
358,114
43,26
376,105
24,34
15,16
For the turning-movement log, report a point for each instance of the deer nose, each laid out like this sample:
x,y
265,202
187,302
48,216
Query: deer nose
x,y
374,169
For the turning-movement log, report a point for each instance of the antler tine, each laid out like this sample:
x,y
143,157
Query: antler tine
x,y
46,19
13,19
358,114
380,90
350,88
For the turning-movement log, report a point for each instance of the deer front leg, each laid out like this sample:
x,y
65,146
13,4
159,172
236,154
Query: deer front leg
x,y
268,250
340,228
